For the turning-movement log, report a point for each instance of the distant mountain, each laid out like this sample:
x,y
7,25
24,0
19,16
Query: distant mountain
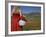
x,y
33,13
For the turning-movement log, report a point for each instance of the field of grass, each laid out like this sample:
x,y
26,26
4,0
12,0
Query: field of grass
x,y
35,23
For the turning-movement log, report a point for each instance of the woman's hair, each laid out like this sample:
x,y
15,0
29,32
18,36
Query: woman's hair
x,y
15,10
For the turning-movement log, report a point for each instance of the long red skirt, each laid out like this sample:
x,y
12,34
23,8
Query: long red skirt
x,y
15,23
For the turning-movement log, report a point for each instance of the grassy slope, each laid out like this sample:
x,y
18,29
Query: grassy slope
x,y
35,23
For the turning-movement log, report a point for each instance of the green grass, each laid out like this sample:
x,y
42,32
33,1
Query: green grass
x,y
35,23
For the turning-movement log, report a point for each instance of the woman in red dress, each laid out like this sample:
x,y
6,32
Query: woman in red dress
x,y
15,20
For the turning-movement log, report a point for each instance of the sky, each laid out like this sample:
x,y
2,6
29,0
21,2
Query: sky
x,y
29,9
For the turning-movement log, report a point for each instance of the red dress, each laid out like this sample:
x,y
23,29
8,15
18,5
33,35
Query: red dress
x,y
15,22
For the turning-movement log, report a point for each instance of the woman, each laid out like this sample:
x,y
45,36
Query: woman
x,y
16,16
